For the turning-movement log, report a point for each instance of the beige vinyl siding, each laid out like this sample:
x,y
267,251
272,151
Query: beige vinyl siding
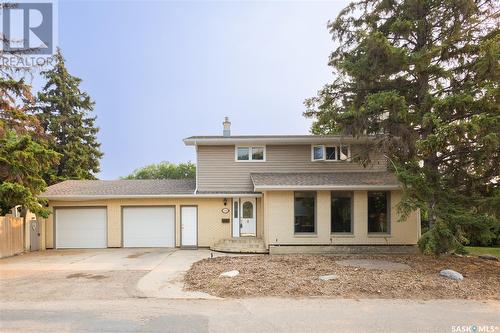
x,y
218,171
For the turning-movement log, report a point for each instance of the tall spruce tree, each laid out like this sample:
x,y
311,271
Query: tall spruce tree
x,y
423,75
64,113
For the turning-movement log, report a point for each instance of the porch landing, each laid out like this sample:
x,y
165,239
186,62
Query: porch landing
x,y
240,245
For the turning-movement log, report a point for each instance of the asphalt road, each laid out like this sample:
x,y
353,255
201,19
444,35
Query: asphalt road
x,y
249,315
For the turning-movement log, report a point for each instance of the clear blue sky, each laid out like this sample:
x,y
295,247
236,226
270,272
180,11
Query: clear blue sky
x,y
163,71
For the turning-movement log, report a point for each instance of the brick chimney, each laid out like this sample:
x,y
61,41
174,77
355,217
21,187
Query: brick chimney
x,y
227,127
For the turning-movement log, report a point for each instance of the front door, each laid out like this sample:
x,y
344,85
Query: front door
x,y
248,225
189,226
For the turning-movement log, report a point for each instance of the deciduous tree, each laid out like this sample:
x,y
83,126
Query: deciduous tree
x,y
165,170
24,152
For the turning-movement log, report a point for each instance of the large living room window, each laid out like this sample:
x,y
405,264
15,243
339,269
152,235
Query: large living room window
x,y
249,154
379,212
305,210
341,212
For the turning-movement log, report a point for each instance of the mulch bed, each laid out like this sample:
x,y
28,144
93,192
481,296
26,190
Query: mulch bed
x,y
298,276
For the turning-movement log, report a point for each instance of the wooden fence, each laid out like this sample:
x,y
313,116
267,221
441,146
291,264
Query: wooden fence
x,y
11,236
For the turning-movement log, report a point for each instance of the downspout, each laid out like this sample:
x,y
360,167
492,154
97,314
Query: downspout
x,y
196,150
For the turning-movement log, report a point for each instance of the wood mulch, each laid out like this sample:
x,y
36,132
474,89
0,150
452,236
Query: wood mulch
x,y
298,275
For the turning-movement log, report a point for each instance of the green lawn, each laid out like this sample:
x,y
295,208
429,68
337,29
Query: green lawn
x,y
477,250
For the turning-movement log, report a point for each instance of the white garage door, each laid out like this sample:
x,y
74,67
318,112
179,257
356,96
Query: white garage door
x,y
148,227
80,228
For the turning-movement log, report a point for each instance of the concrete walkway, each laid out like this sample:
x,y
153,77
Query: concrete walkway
x,y
166,279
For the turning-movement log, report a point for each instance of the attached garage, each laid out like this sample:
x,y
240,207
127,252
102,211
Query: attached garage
x,y
80,227
148,226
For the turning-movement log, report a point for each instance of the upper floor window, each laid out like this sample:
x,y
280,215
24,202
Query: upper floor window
x,y
252,153
330,153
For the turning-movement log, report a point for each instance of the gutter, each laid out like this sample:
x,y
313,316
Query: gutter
x,y
258,188
277,140
149,196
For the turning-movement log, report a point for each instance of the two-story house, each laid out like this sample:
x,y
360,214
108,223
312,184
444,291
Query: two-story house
x,y
277,193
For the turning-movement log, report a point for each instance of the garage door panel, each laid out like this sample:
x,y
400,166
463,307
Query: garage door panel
x,y
148,227
81,228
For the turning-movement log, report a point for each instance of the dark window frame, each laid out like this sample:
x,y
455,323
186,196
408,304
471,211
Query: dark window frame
x,y
388,217
315,196
341,194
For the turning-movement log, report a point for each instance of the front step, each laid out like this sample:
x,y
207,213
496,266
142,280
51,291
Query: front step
x,y
240,245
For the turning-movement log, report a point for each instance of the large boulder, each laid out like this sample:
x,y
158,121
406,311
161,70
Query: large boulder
x,y
451,274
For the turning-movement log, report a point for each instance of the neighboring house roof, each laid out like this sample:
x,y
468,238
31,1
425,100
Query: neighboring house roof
x,y
120,188
329,181
274,139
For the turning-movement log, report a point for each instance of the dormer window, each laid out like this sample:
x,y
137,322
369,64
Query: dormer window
x,y
330,153
250,154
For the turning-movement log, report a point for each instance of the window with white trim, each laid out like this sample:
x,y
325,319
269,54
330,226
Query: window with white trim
x,y
250,153
318,153
330,152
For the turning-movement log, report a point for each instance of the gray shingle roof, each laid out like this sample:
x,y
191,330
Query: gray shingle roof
x,y
333,179
140,187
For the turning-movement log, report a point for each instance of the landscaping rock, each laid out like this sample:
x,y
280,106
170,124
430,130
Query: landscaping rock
x,y
328,277
488,257
230,274
451,274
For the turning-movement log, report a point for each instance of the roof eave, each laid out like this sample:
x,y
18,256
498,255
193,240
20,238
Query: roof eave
x,y
89,197
325,187
277,140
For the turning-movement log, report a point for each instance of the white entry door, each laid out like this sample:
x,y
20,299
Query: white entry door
x,y
189,226
248,225
81,228
148,226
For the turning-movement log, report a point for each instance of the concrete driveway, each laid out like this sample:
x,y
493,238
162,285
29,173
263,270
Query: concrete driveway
x,y
99,274
87,260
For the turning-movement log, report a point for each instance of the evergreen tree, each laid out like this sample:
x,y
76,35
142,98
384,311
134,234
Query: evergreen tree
x,y
422,75
64,113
